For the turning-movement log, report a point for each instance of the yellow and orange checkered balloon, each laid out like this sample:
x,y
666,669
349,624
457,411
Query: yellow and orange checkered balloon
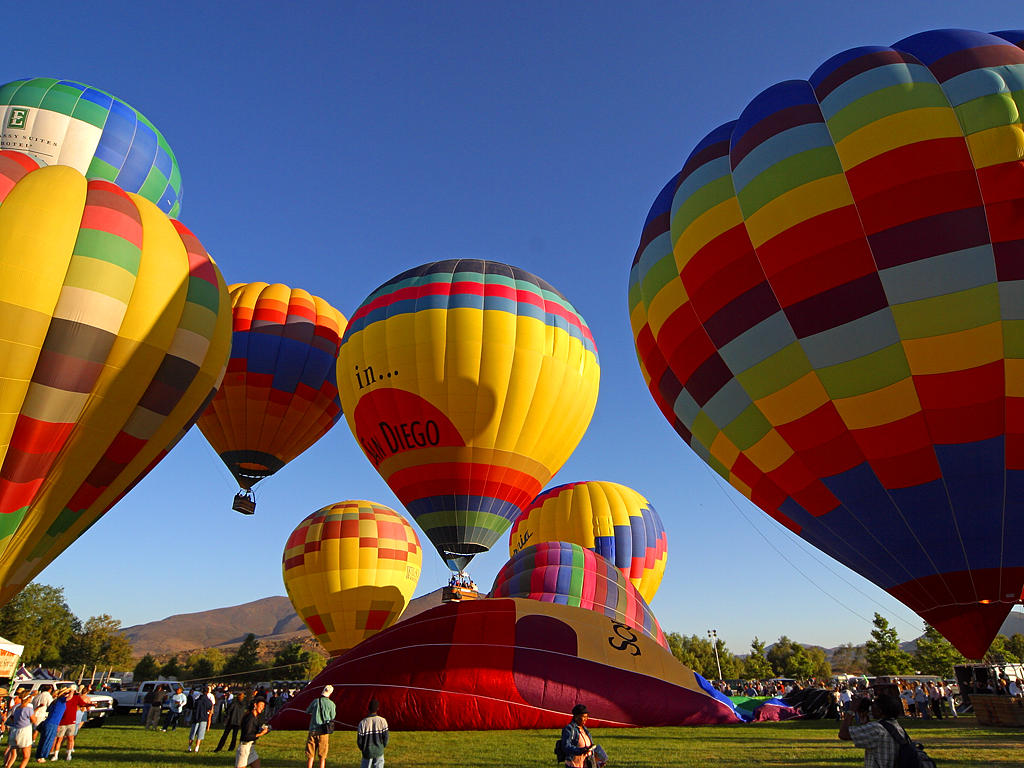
x,y
350,569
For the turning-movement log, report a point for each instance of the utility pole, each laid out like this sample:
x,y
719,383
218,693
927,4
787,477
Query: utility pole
x,y
713,634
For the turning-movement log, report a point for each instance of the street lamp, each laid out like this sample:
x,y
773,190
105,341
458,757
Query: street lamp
x,y
713,634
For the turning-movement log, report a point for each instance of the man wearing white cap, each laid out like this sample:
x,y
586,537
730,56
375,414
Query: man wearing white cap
x,y
321,725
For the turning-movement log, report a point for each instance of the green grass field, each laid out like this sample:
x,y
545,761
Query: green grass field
x,y
123,744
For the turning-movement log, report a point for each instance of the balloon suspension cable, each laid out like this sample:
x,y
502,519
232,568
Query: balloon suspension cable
x,y
719,481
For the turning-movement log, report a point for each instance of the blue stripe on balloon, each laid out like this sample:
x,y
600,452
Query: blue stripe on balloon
x,y
139,159
974,477
779,147
830,65
606,546
935,44
97,97
872,81
118,131
977,83
790,93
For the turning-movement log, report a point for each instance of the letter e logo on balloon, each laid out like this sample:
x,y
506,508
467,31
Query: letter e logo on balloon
x,y
17,118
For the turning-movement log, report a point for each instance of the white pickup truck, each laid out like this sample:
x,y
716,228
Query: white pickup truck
x,y
102,704
133,697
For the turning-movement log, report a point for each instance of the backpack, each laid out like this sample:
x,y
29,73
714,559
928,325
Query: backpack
x,y
909,754
560,751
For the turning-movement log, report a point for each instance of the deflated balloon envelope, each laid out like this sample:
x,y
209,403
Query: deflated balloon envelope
x,y
510,664
467,384
350,569
114,333
827,305
61,122
610,519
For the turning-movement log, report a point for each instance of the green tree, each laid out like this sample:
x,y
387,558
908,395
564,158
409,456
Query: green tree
x,y
99,643
205,664
38,617
778,655
291,662
757,666
999,652
883,652
146,669
799,664
935,654
849,659
698,654
1015,645
246,658
172,669
820,668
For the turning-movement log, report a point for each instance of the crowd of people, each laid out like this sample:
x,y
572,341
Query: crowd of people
x,y
49,718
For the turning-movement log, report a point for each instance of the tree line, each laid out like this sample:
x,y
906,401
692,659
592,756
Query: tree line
x,y
39,618
880,654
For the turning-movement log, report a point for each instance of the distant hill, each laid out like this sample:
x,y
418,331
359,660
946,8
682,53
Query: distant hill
x,y
272,620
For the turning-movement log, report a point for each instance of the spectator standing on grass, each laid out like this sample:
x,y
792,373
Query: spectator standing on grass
x,y
236,710
372,737
157,706
175,705
321,724
871,736
252,728
77,704
202,713
20,737
48,727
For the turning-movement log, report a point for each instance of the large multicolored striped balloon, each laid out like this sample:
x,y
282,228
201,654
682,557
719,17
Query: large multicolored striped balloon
x,y
350,569
115,328
467,384
68,123
610,519
567,574
827,302
280,392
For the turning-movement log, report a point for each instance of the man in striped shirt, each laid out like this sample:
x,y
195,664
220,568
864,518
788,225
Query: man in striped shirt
x,y
372,737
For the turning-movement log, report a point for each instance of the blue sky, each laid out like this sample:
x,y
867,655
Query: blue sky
x,y
330,146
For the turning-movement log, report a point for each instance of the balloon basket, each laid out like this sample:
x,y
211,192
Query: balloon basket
x,y
245,502
449,594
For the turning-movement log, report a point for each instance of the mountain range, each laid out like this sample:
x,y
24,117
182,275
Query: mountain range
x,y
274,622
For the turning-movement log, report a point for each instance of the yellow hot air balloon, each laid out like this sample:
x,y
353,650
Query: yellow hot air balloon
x,y
467,384
115,327
610,519
350,569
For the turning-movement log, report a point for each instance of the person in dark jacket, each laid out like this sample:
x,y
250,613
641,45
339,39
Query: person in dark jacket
x,y
372,737
251,729
233,715
576,740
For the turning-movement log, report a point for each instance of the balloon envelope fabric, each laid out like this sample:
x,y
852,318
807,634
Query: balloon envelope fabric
x,y
350,569
467,384
280,392
827,303
62,122
610,519
568,574
510,664
115,327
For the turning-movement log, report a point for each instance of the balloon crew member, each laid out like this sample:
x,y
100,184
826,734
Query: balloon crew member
x,y
870,735
252,728
321,726
372,737
576,740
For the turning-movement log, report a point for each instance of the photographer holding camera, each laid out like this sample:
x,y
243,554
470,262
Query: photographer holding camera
x,y
863,727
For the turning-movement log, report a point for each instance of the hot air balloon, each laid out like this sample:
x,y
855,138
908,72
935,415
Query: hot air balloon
x,y
280,393
350,569
610,519
467,384
115,333
825,307
68,123
511,664
568,574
